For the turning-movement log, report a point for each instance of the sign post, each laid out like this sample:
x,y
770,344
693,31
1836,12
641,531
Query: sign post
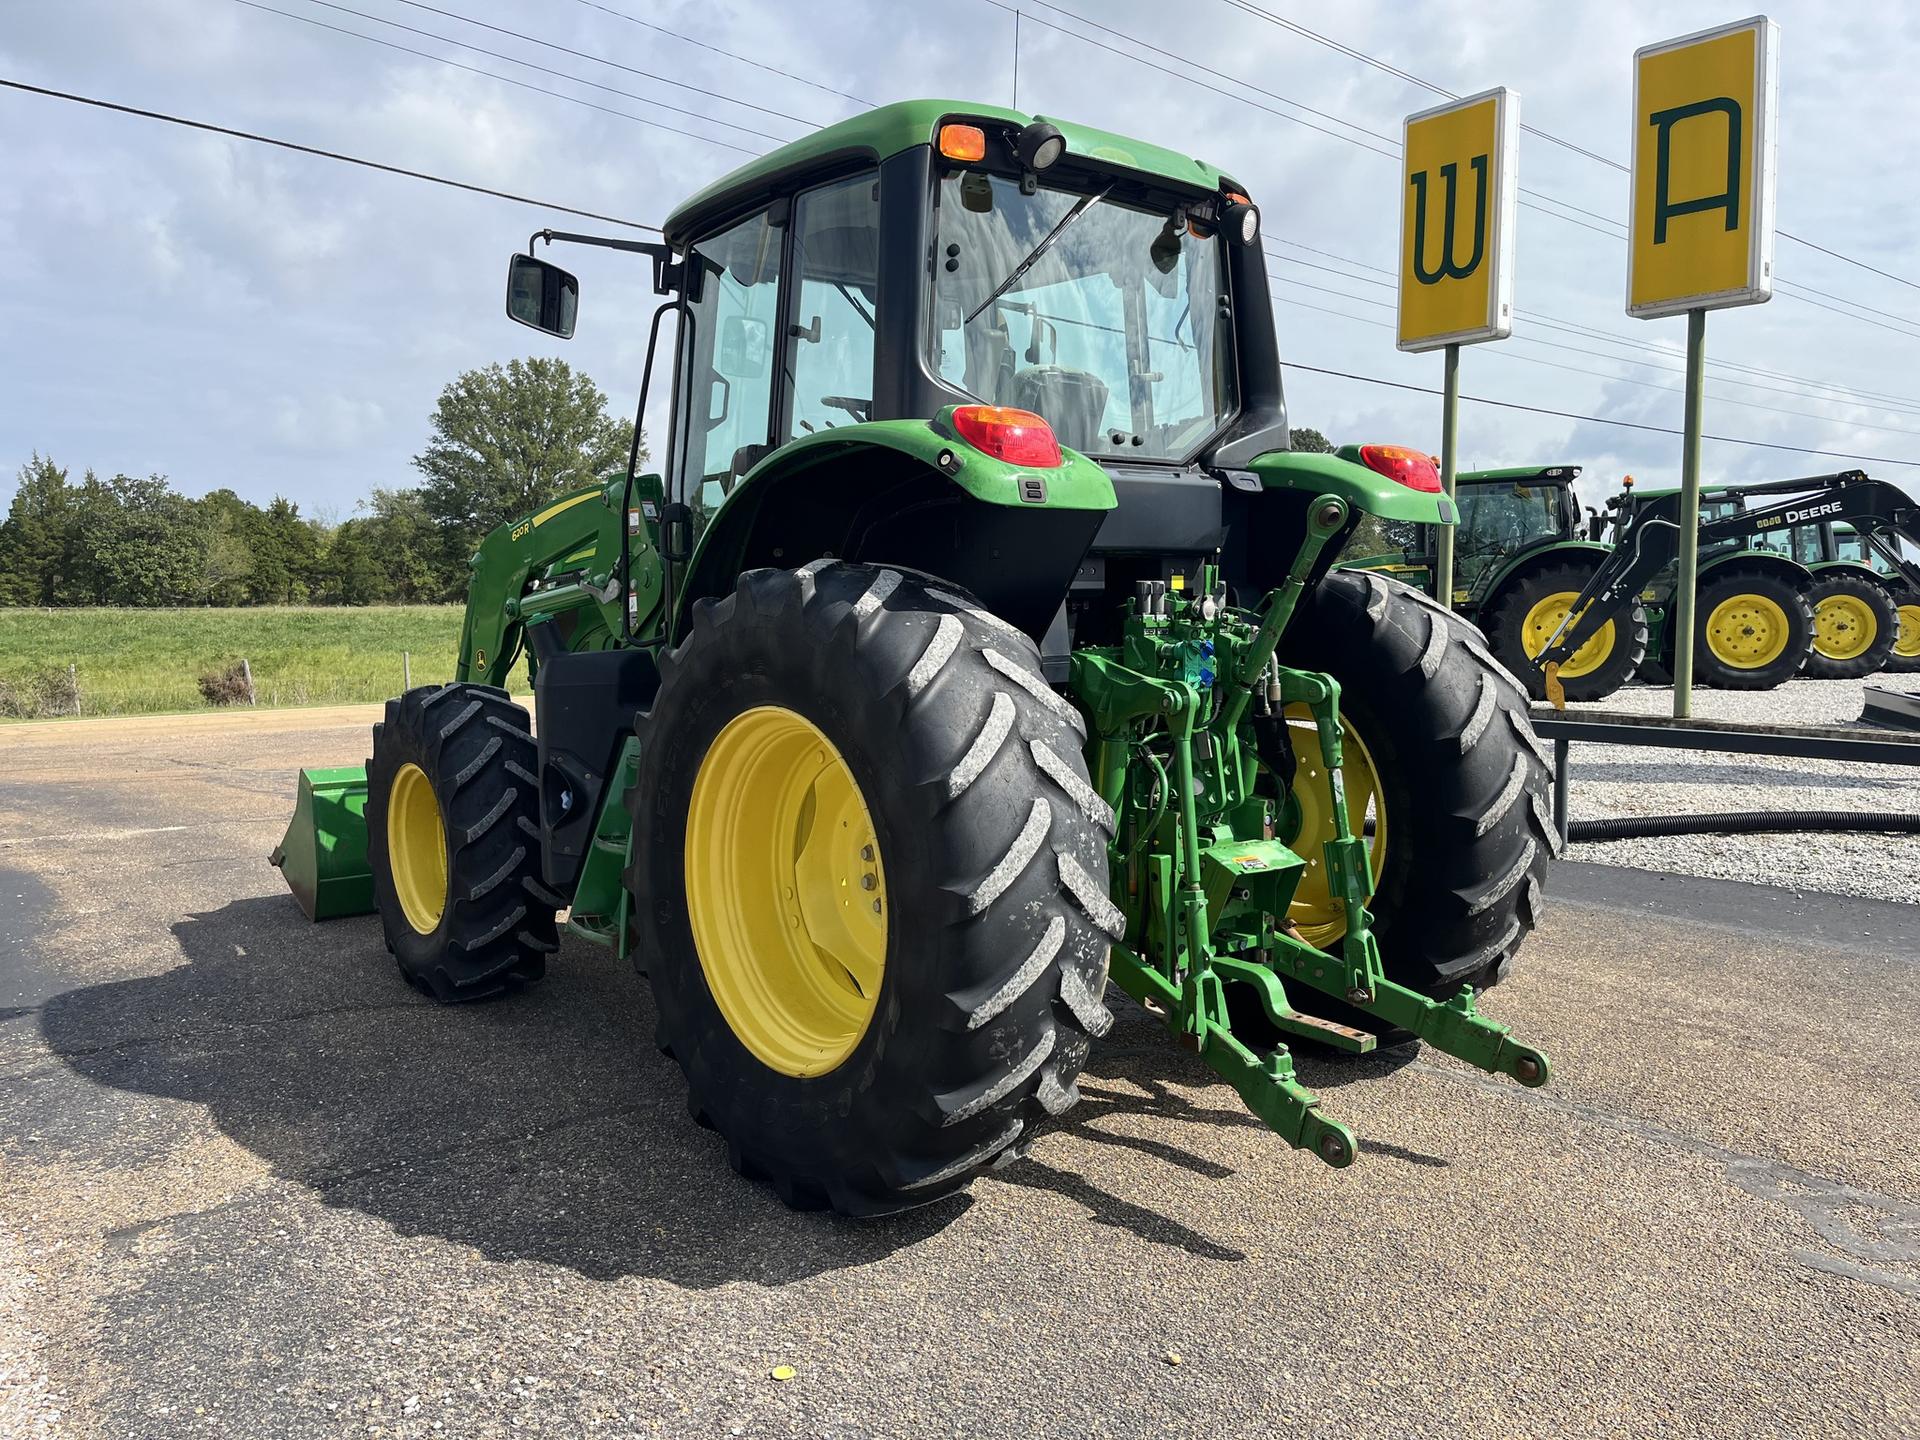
x,y
1701,230
1459,187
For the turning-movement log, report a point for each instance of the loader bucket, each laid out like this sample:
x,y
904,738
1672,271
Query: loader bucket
x,y
323,856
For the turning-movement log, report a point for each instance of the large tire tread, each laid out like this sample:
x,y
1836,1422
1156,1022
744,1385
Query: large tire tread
x,y
995,847
498,926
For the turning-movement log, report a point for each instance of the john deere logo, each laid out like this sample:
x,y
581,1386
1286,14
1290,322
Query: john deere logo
x,y
1449,268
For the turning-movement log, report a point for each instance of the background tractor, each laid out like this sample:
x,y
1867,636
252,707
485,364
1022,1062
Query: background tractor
x,y
1522,555
1866,612
976,643
1755,616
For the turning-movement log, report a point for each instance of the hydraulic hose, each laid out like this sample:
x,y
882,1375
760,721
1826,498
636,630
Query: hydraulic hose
x,y
1745,822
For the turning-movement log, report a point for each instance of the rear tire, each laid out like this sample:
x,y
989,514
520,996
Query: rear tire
x,y
1465,784
1753,630
492,929
1905,656
991,850
1523,619
1854,627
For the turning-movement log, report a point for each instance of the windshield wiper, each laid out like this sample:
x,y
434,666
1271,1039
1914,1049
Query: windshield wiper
x,y
1081,206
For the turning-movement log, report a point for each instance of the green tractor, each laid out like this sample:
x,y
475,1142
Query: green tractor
x,y
1866,612
1760,616
1522,555
978,643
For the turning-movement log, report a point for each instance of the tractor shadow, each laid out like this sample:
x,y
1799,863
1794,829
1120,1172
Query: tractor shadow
x,y
1138,1071
541,1127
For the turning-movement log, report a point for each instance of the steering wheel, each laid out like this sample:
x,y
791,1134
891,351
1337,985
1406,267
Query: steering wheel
x,y
859,409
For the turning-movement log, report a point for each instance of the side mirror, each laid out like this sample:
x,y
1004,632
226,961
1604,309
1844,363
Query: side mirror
x,y
542,295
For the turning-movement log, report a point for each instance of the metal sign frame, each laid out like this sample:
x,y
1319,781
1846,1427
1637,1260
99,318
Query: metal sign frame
x,y
1502,218
1766,90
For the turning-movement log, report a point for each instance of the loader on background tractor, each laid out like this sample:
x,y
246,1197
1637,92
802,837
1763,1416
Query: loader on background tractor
x,y
977,643
1755,615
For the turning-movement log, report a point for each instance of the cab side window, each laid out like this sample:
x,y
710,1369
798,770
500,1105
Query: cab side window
x,y
830,334
728,356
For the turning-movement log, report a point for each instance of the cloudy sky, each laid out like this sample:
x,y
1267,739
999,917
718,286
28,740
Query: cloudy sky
x,y
233,315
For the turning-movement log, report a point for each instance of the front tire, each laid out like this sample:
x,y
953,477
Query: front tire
x,y
1462,785
1525,617
1753,630
453,840
1854,627
1905,656
868,1059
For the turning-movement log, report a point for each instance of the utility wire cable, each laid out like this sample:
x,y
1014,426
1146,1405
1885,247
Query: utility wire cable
x,y
743,59
1503,354
315,150
1590,419
522,84
602,60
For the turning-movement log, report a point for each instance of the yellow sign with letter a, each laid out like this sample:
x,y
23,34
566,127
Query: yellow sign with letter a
x,y
1459,176
1701,235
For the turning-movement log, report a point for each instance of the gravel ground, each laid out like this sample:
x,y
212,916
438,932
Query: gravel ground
x,y
1610,780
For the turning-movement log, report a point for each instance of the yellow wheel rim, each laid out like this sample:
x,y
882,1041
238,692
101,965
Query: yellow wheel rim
x,y
417,849
786,892
1844,627
1545,618
1314,912
1748,632
1907,644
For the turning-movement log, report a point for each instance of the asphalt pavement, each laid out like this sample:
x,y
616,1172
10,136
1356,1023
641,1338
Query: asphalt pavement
x,y
252,1185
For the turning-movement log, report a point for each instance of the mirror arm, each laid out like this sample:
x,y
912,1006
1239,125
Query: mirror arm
x,y
667,273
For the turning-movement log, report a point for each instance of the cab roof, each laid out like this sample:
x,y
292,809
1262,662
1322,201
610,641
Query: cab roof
x,y
1541,474
874,135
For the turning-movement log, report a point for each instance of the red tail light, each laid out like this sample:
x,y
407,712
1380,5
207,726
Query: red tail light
x,y
1404,466
1018,437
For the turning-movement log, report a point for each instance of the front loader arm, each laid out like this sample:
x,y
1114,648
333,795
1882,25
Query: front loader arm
x,y
1651,543
563,557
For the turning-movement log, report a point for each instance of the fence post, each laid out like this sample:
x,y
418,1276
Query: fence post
x,y
1562,783
73,679
406,672
246,669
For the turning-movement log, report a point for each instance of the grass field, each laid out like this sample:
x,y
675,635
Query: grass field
x,y
143,662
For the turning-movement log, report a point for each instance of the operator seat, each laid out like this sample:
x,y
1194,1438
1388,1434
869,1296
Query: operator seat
x,y
1073,402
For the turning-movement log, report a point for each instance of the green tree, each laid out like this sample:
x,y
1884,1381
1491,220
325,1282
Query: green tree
x,y
229,526
36,539
286,550
506,439
135,543
1310,441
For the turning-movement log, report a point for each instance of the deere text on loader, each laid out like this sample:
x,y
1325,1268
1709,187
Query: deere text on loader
x,y
977,644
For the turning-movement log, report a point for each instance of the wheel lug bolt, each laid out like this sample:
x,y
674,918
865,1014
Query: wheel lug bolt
x,y
867,882
876,907
866,852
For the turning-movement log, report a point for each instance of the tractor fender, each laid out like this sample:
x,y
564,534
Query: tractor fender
x,y
1366,491
1519,566
911,494
1770,561
1835,569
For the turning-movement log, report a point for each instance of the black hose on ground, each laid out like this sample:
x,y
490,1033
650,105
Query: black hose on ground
x,y
1745,822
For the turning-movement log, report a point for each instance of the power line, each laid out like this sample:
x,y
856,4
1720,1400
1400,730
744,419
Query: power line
x,y
1410,78
602,60
1504,354
322,154
1801,383
509,80
743,59
1590,419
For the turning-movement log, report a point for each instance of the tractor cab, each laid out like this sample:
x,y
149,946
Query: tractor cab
x,y
1505,513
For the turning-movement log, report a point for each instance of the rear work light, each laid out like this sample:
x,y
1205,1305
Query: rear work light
x,y
963,142
1019,437
1405,466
